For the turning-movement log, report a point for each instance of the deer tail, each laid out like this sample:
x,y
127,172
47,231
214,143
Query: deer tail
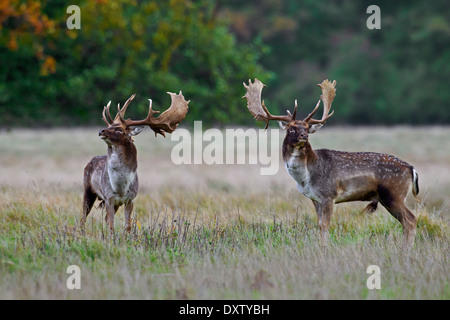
x,y
415,185
371,207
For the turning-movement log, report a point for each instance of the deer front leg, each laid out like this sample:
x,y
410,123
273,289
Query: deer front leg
x,y
110,212
128,209
324,210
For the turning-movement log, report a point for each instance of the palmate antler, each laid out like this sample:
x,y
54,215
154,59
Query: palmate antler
x,y
259,111
328,94
165,123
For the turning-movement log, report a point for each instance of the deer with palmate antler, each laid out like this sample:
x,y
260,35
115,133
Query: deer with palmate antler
x,y
113,178
328,176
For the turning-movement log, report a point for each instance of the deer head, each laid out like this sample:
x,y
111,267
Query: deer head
x,y
297,131
121,130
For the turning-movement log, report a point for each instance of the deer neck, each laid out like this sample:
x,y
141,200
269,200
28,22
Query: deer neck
x,y
299,158
122,166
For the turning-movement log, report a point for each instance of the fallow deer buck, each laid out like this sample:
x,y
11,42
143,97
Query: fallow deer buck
x,y
113,178
328,176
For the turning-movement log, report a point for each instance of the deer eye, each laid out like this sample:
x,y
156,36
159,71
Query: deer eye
x,y
119,131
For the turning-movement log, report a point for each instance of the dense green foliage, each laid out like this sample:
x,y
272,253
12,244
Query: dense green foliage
x,y
125,47
393,75
51,75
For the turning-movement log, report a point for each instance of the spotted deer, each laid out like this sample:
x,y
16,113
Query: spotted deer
x,y
328,176
112,178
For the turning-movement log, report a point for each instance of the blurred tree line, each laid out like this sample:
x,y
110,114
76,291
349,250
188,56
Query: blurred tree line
x,y
51,75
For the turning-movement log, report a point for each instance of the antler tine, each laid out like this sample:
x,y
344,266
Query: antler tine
x,y
323,120
267,114
121,111
295,111
110,118
151,112
127,103
107,115
119,116
307,119
149,117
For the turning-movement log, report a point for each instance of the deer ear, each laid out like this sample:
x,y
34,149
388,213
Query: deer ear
x,y
314,127
283,124
135,130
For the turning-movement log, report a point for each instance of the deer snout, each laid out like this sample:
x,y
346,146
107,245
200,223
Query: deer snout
x,y
304,136
101,133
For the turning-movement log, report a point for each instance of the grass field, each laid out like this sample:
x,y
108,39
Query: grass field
x,y
215,231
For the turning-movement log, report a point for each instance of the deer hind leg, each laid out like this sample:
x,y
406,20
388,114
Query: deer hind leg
x,y
407,219
324,210
409,228
397,208
88,201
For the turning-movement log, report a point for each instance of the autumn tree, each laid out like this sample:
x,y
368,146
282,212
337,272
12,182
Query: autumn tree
x,y
126,47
